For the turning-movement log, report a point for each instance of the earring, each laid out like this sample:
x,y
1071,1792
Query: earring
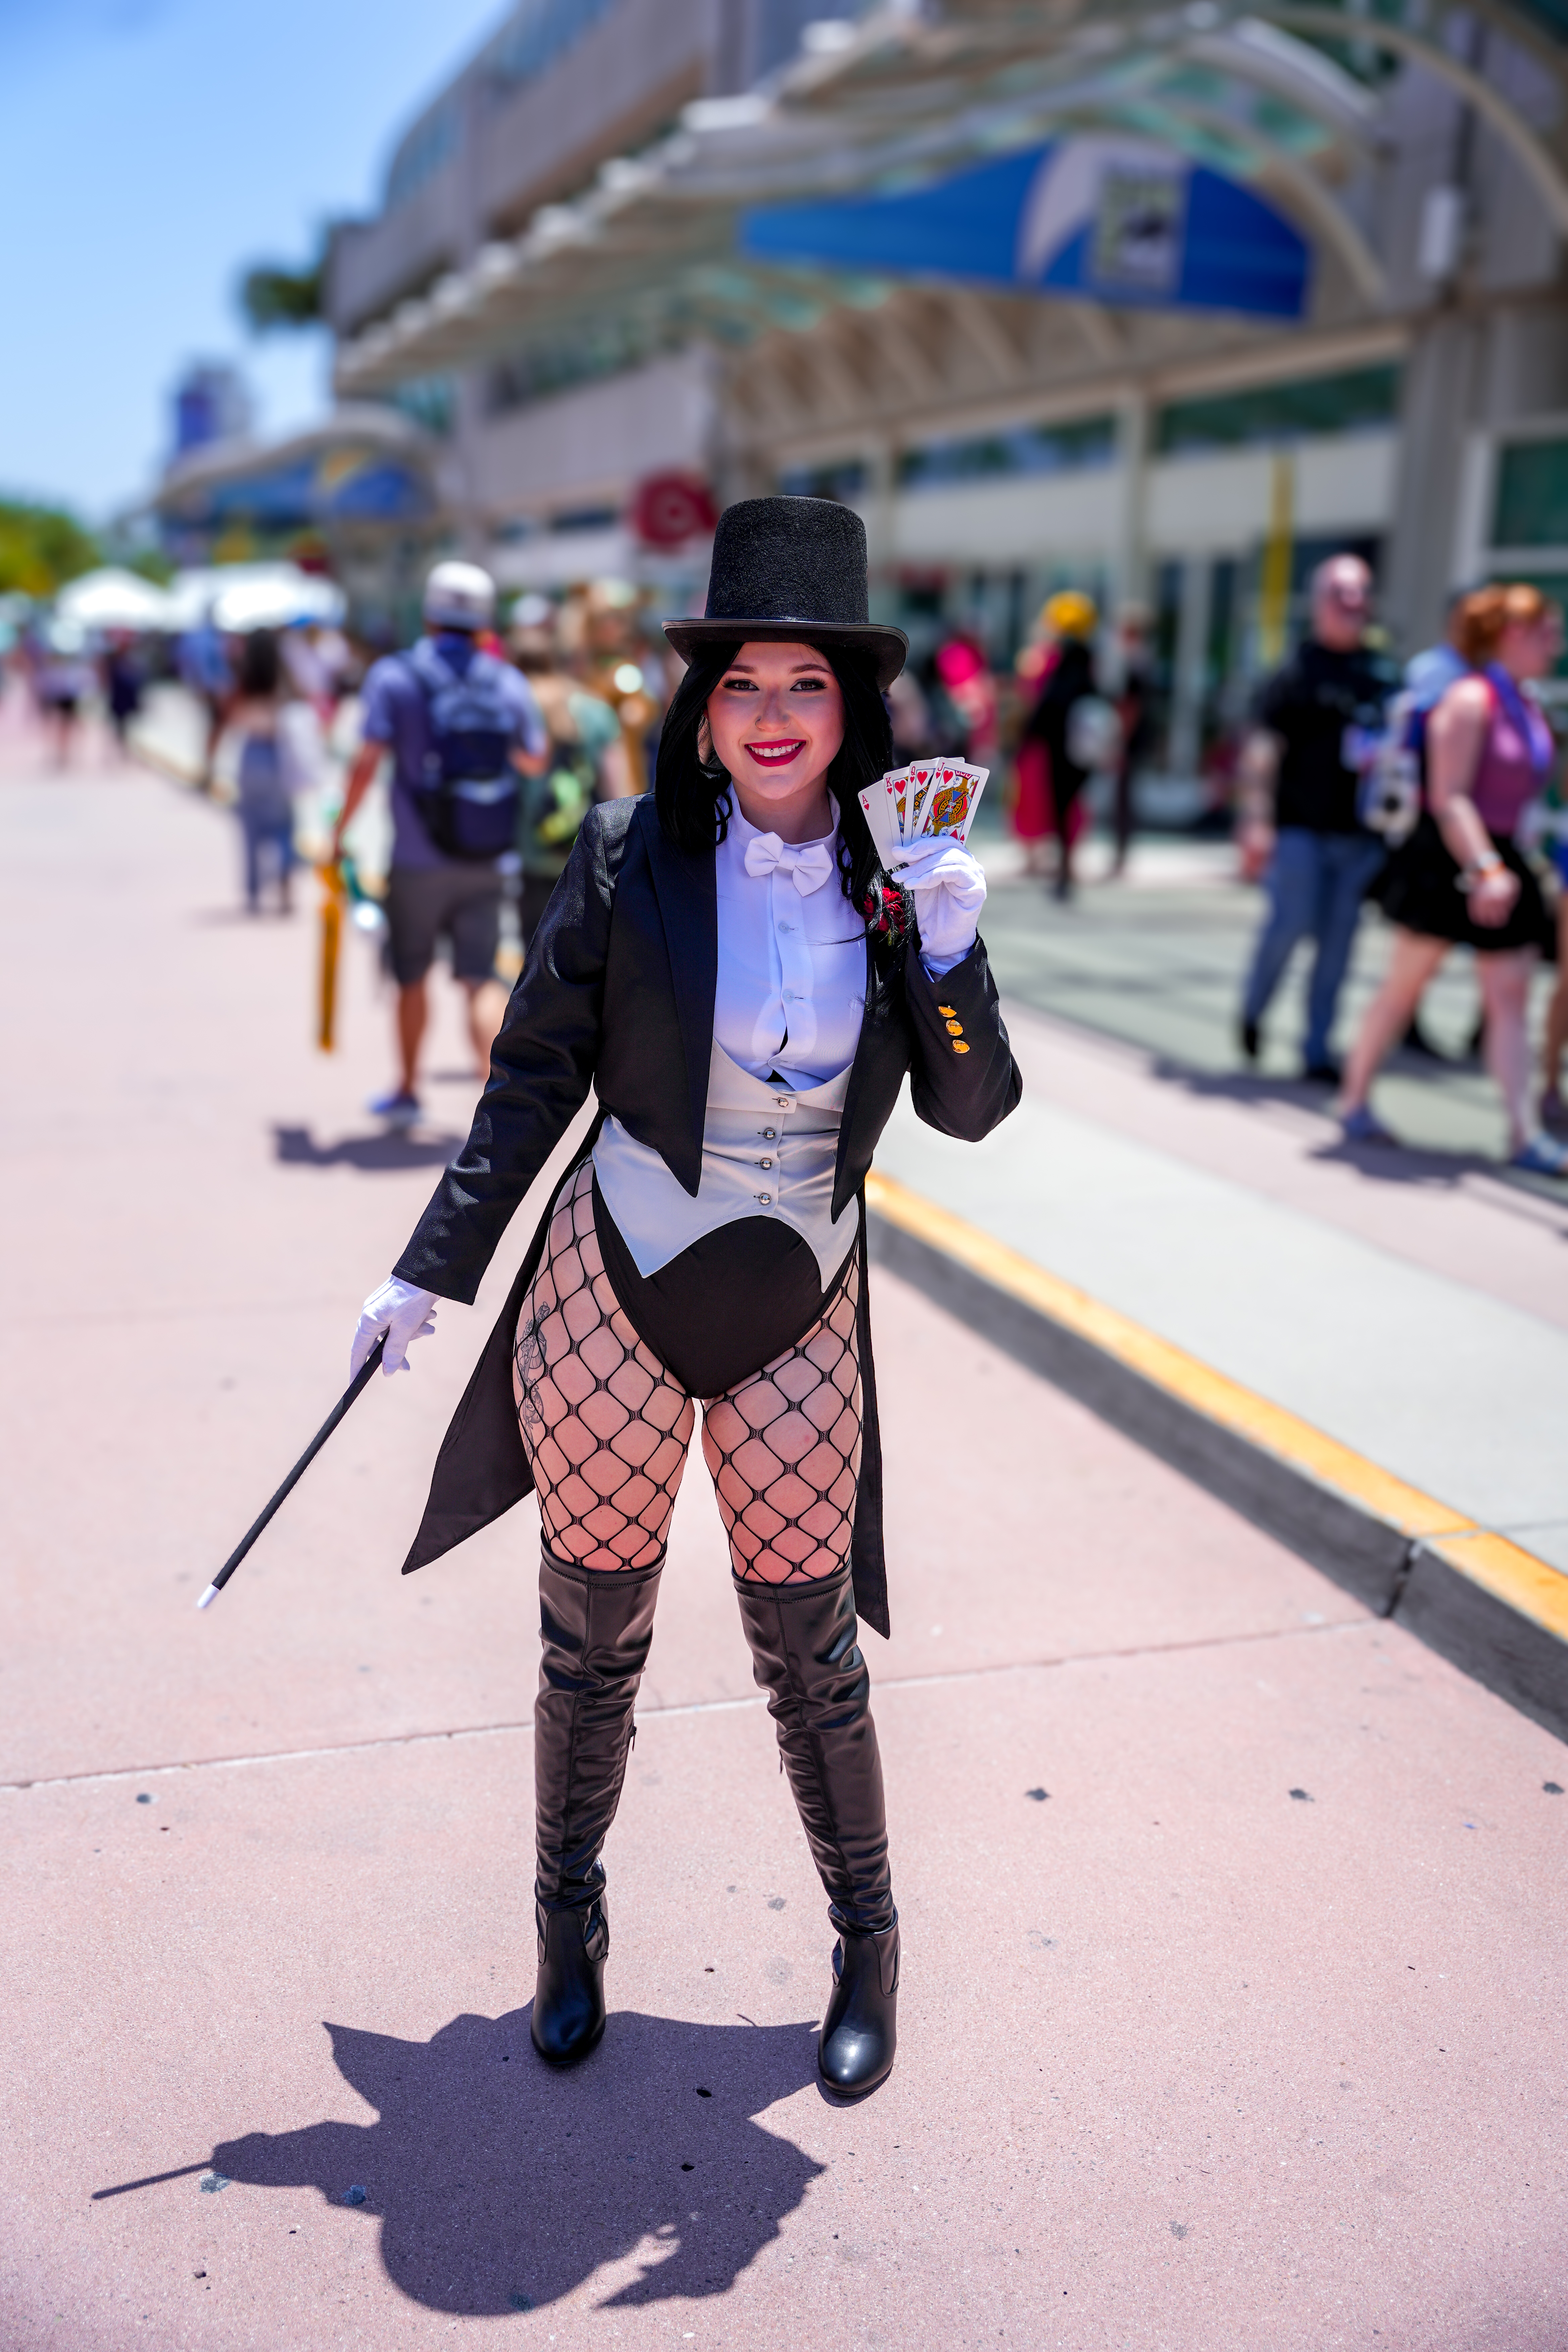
x,y
708,765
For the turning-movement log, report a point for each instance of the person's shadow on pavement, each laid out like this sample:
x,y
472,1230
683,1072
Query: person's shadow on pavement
x,y
373,1155
500,2185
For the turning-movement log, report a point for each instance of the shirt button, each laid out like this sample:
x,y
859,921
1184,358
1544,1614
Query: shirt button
x,y
765,1163
770,1134
766,1199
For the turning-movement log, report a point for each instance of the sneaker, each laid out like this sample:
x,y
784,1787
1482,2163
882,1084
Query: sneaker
x,y
1541,1157
1250,1042
1363,1126
398,1109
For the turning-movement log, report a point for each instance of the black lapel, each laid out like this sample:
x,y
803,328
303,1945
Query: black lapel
x,y
689,908
871,1042
858,1066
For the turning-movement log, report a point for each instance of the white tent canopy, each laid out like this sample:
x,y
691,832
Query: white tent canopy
x,y
113,599
240,597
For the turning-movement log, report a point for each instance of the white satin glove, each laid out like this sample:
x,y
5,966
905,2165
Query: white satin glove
x,y
404,1313
948,891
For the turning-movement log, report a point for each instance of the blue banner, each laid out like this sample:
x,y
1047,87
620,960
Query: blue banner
x,y
1115,220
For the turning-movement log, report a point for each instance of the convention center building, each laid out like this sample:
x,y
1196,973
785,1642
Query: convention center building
x,y
1154,300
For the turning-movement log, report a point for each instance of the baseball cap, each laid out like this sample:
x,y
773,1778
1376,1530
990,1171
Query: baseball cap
x,y
459,596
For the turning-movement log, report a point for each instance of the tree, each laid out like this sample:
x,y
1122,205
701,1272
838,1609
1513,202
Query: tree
x,y
271,297
41,547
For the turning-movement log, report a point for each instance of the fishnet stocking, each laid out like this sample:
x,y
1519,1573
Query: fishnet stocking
x,y
607,1426
783,1448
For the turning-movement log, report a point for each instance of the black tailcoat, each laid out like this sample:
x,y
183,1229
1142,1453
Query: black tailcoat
x,y
618,994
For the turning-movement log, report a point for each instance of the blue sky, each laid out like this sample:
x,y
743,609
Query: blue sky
x,y
148,149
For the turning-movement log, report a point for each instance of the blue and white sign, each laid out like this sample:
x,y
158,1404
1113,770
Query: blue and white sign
x,y
1117,220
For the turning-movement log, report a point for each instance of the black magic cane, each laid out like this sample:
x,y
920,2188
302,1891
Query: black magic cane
x,y
353,1390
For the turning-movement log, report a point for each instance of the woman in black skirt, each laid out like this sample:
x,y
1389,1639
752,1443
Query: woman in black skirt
x,y
724,964
1461,878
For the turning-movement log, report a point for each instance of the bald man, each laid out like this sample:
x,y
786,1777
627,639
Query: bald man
x,y
1313,722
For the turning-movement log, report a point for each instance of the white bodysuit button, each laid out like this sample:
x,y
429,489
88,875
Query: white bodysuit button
x,y
766,1199
765,1163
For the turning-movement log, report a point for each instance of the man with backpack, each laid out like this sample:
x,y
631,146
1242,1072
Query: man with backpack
x,y
463,730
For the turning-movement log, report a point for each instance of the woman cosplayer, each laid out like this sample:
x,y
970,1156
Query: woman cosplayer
x,y
725,966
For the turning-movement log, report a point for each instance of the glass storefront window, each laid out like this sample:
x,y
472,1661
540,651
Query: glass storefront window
x,y
1532,507
1357,401
1018,449
843,479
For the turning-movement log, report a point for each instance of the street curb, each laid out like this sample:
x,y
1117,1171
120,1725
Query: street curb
x,y
1484,1603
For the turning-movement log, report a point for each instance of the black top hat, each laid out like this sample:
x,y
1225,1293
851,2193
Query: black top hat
x,y
786,568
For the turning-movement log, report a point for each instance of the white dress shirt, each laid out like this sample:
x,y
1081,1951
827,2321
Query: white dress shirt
x,y
792,960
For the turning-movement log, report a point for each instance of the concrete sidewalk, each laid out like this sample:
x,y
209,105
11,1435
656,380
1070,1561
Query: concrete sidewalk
x,y
1158,960
1233,1916
1262,1248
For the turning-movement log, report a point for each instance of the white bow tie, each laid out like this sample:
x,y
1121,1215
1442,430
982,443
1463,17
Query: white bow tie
x,y
808,868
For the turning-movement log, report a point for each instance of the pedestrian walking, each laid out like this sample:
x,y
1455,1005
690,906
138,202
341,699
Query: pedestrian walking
x,y
267,777
1052,773
122,686
577,769
968,690
1302,833
726,965
64,682
206,672
1428,674
1134,711
463,730
1461,878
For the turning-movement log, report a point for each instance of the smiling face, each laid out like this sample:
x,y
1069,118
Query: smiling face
x,y
775,720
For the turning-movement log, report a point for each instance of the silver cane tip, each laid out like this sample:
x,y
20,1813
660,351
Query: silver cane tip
x,y
207,1598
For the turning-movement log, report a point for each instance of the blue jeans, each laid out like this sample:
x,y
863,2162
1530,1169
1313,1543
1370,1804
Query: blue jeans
x,y
1316,884
266,829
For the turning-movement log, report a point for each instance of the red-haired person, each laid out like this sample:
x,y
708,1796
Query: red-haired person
x,y
1461,880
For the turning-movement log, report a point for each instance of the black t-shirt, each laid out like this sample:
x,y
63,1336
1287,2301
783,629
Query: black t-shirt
x,y
1311,705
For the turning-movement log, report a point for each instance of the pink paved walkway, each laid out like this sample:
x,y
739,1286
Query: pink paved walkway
x,y
1191,2061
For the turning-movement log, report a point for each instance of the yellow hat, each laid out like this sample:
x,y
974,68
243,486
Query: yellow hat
x,y
1069,614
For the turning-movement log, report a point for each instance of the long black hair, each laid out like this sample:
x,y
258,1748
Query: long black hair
x,y
694,801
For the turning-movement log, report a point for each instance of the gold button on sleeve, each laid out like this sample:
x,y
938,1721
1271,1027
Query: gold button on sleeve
x,y
955,1028
958,1048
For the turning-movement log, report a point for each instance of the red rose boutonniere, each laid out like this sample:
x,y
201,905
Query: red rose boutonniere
x,y
888,913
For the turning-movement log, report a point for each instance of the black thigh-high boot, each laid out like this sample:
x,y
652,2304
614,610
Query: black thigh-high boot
x,y
806,1655
596,1625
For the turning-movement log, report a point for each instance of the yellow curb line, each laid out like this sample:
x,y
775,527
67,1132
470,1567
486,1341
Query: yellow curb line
x,y
1502,1569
